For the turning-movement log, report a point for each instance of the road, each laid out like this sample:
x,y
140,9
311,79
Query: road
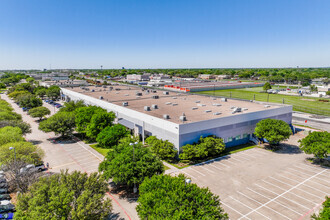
x,y
72,155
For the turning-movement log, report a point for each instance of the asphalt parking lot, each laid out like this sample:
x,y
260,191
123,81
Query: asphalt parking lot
x,y
260,184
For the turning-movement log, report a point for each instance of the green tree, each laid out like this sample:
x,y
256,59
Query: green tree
x,y
313,88
328,93
167,197
123,169
25,127
30,80
98,123
2,86
7,116
163,149
72,106
212,144
84,116
324,213
65,196
62,123
25,151
273,130
267,86
10,134
15,94
53,92
41,92
29,101
111,135
39,112
317,143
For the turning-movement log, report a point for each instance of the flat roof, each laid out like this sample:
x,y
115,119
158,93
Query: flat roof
x,y
195,107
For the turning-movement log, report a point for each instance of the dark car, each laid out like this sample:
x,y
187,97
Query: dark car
x,y
3,180
4,197
7,208
50,101
3,185
47,100
3,190
9,215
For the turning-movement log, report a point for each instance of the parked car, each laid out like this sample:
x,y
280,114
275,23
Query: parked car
x,y
3,185
47,100
3,179
50,101
9,215
58,106
3,191
32,167
5,202
5,197
7,208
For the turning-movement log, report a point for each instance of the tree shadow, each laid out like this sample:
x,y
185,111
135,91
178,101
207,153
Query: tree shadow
x,y
63,140
123,191
114,216
35,142
284,148
324,163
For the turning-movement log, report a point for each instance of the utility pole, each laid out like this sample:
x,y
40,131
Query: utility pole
x,y
132,144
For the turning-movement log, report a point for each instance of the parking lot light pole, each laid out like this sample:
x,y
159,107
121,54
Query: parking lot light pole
x,y
187,181
11,148
133,144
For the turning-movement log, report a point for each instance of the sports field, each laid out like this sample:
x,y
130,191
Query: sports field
x,y
303,104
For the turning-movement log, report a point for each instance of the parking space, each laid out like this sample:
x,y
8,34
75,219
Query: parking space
x,y
259,184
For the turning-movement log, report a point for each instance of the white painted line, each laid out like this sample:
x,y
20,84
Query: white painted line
x,y
99,158
266,206
205,168
287,198
314,188
277,202
231,157
196,171
248,207
215,167
222,164
294,193
313,172
87,162
188,174
311,167
301,189
282,194
233,209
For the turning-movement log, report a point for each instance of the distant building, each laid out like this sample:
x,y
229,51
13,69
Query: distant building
x,y
206,76
65,83
320,81
322,90
136,77
221,77
160,77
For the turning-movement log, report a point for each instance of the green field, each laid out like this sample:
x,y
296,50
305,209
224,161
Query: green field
x,y
303,104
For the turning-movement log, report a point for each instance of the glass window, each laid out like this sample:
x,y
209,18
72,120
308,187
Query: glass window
x,y
230,139
238,137
245,135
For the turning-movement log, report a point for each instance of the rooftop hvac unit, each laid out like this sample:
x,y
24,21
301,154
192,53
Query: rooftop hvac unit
x,y
198,101
125,103
214,99
237,109
174,97
126,95
139,93
155,97
216,113
175,104
168,103
93,90
154,106
154,91
101,97
166,116
223,99
216,104
201,105
194,108
183,118
165,93
146,108
245,109
117,92
207,111
267,106
117,89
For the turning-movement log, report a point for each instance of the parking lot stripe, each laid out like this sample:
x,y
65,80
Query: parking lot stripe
x,y
285,197
313,173
232,158
63,165
89,162
195,171
294,193
247,206
311,167
188,174
277,202
215,167
222,164
284,193
233,209
301,189
206,169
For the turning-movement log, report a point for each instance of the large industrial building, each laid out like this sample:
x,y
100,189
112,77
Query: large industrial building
x,y
180,118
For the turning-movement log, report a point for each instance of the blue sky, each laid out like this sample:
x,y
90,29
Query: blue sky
x,y
164,33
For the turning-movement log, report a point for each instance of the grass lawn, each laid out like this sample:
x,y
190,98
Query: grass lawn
x,y
101,150
227,151
303,104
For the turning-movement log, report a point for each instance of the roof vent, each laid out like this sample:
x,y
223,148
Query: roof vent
x,y
183,118
216,113
245,109
155,97
168,103
93,90
207,111
146,108
154,106
201,105
126,95
216,104
174,97
267,106
101,97
223,99
139,93
166,116
194,108
237,109
165,93
198,101
125,103
117,92
175,104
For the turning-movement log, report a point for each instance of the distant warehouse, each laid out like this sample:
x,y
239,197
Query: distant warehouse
x,y
180,118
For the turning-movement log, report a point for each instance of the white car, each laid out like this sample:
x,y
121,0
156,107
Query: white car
x,y
4,202
32,167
